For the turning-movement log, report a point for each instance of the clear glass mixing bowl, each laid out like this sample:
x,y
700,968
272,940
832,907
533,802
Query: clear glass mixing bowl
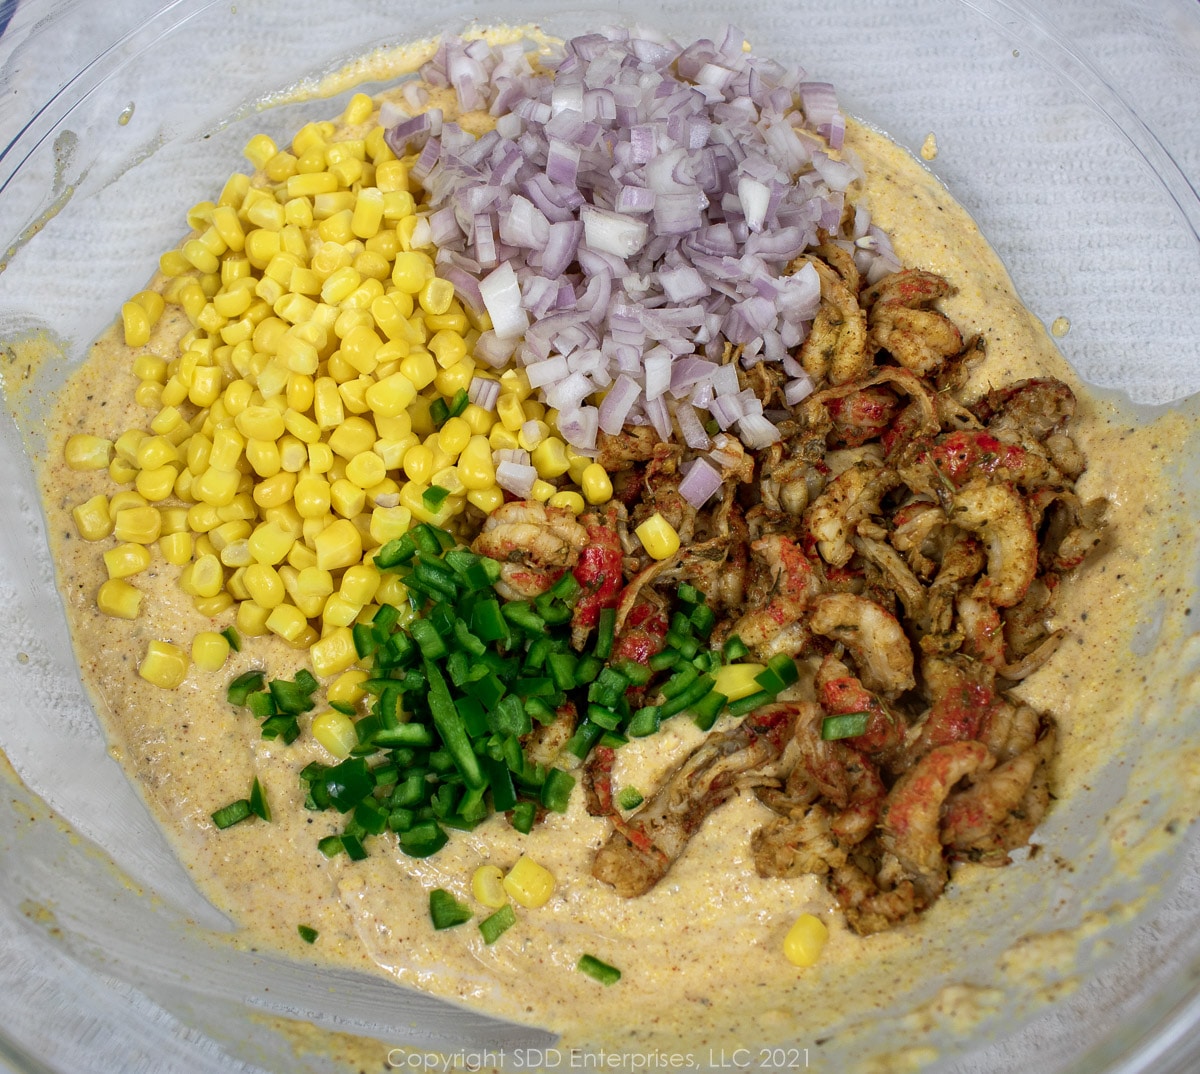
x,y
1067,128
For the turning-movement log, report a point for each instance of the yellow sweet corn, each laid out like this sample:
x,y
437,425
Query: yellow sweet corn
x,y
487,885
126,559
805,940
736,681
119,599
334,652
595,484
658,537
85,452
210,650
92,518
164,665
335,731
529,883
321,338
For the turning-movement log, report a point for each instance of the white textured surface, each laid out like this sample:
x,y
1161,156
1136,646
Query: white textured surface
x,y
1119,256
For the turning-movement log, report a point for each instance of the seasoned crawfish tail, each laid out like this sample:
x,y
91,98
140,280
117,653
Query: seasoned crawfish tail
x,y
911,813
782,587
533,543
902,324
836,346
872,636
641,849
1002,807
997,514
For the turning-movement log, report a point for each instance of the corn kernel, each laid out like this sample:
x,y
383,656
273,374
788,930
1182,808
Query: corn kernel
x,y
529,883
805,940
208,576
119,599
335,652
339,612
139,525
216,487
320,458
736,681
287,621
123,499
84,452
419,463
293,454
454,436
658,536
275,491
338,545
211,607
367,216
259,150
251,619
597,488
164,665
388,523
346,498
391,396
541,491
359,583
347,687
412,271
157,484
550,458
312,496
260,423
435,296
393,591
126,560
510,411
352,437
487,885
456,378
366,469
335,731
502,439
136,323
270,541
568,500
265,586
487,500
210,650
420,367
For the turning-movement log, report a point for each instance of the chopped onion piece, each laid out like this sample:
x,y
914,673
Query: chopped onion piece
x,y
701,482
516,479
610,232
757,431
483,392
501,293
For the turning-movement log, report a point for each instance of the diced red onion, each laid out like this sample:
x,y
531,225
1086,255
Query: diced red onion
x,y
690,427
516,479
700,483
501,295
483,392
516,456
642,202
616,405
757,432
797,390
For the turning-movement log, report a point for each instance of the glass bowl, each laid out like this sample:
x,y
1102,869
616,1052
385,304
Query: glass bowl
x,y
1065,129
